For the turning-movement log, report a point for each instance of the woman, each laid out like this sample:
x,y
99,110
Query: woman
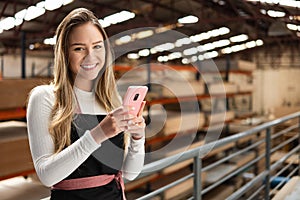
x,y
76,124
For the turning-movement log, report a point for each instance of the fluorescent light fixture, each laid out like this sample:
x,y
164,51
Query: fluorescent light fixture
x,y
211,54
50,41
33,12
163,47
66,2
41,4
190,19
238,47
183,41
194,59
289,3
190,51
206,47
144,34
293,27
221,43
123,40
162,59
7,23
103,23
133,56
226,50
21,14
251,44
185,61
239,38
273,13
214,33
18,21
53,4
224,30
144,52
200,57
119,17
174,55
259,42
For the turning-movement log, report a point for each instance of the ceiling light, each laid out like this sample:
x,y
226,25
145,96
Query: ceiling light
x,y
144,34
190,51
162,59
33,12
182,41
273,13
209,55
103,23
41,4
214,33
226,50
250,44
224,30
123,40
292,27
66,2
239,47
194,58
144,52
18,21
239,38
21,14
185,61
259,42
53,4
133,56
200,57
163,47
289,3
174,55
221,43
119,17
190,19
7,23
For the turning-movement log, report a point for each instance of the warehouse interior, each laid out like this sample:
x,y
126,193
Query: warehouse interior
x,y
221,72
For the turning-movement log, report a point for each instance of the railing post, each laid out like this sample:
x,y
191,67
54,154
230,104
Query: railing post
x,y
267,158
197,177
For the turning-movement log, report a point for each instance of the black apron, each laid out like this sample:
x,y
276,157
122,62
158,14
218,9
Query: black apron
x,y
107,159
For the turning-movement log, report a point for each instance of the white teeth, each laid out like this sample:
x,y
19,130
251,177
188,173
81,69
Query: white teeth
x,y
88,66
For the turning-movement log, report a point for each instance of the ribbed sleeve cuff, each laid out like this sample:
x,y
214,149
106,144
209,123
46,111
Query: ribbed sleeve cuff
x,y
89,143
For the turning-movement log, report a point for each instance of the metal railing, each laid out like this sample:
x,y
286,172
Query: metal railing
x,y
262,179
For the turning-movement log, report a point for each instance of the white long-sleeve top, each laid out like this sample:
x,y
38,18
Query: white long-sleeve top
x,y
52,168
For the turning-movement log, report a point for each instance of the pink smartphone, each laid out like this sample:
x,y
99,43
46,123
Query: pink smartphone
x,y
134,97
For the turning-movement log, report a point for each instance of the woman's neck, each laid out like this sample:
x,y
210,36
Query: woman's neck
x,y
85,85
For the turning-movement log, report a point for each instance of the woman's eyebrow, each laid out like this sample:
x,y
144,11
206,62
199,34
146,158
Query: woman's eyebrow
x,y
77,43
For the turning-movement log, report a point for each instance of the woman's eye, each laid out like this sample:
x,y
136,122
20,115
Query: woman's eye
x,y
98,46
78,49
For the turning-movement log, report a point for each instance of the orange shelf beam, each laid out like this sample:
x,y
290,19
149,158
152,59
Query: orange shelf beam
x,y
17,113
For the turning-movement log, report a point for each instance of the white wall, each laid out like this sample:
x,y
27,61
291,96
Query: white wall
x,y
275,88
12,65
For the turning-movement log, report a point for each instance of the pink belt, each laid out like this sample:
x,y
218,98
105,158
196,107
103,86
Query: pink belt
x,y
89,182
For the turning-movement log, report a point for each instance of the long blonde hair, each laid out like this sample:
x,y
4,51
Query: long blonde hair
x,y
105,87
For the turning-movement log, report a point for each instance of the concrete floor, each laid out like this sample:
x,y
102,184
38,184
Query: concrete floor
x,y
19,188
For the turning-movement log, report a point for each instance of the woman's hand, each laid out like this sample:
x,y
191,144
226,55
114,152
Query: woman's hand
x,y
115,122
136,127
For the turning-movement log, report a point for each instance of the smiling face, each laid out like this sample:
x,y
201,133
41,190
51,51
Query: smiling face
x,y
86,54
